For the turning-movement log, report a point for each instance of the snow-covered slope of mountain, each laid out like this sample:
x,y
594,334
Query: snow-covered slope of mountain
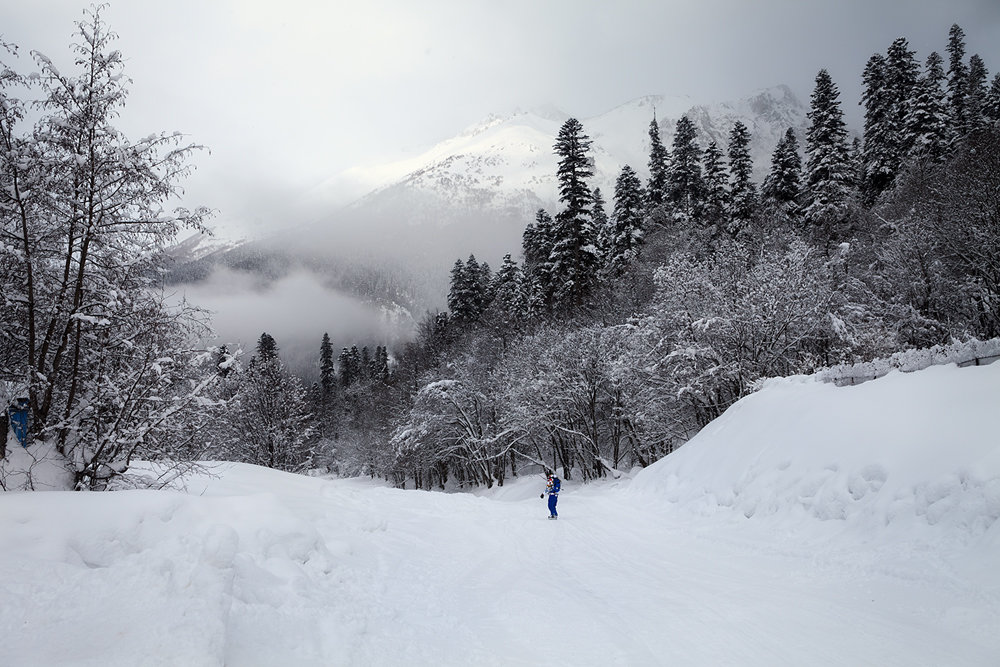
x,y
810,525
507,164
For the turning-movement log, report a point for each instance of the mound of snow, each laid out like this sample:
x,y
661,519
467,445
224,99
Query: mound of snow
x,y
907,450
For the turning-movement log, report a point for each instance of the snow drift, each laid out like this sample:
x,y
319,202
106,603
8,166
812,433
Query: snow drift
x,y
909,448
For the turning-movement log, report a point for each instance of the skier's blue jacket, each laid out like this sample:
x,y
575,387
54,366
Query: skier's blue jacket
x,y
552,487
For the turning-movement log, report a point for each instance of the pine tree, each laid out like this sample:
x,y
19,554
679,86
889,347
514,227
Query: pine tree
x,y
267,348
901,72
879,156
927,124
509,308
957,75
347,377
574,254
624,233
659,160
743,191
327,369
783,184
828,167
992,110
456,294
716,187
600,222
686,185
537,244
976,94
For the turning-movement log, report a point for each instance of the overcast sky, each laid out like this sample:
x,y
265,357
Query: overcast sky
x,y
287,94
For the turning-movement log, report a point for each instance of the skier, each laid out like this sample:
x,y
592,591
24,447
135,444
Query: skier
x,y
552,488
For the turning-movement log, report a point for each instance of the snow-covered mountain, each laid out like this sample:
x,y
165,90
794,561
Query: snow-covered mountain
x,y
505,164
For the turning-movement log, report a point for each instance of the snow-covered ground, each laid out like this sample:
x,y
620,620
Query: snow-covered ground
x,y
810,525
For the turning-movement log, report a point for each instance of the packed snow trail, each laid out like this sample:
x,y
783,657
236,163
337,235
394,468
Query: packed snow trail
x,y
723,554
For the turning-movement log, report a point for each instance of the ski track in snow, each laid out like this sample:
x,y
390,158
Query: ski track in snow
x,y
255,567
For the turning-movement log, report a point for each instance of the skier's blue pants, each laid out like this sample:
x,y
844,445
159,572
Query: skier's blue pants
x,y
553,499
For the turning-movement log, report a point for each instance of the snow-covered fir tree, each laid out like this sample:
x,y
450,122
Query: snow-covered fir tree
x,y
992,110
879,155
783,183
716,187
957,74
976,93
828,177
901,72
659,164
927,124
574,254
742,190
686,184
624,231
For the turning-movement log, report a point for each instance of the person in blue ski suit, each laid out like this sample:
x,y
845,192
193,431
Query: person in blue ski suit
x,y
552,488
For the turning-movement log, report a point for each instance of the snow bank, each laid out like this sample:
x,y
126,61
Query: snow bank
x,y
920,449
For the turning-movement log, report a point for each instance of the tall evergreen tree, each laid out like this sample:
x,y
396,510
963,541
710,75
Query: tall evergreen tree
x,y
901,72
880,159
509,307
624,234
347,377
957,73
927,124
829,177
327,367
783,184
716,187
659,161
600,222
976,93
267,348
687,187
742,191
993,99
574,255
537,244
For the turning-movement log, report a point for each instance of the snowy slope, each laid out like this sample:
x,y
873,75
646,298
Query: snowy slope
x,y
810,525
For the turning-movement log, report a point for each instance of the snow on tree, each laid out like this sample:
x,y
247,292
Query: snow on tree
x,y
927,123
269,416
716,188
828,178
327,367
574,256
624,233
901,72
83,226
992,110
686,185
742,191
957,74
879,156
783,184
976,94
659,164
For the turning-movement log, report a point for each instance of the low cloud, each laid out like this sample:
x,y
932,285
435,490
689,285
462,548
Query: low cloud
x,y
296,310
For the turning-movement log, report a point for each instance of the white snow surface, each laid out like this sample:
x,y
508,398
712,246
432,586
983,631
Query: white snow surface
x,y
809,525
